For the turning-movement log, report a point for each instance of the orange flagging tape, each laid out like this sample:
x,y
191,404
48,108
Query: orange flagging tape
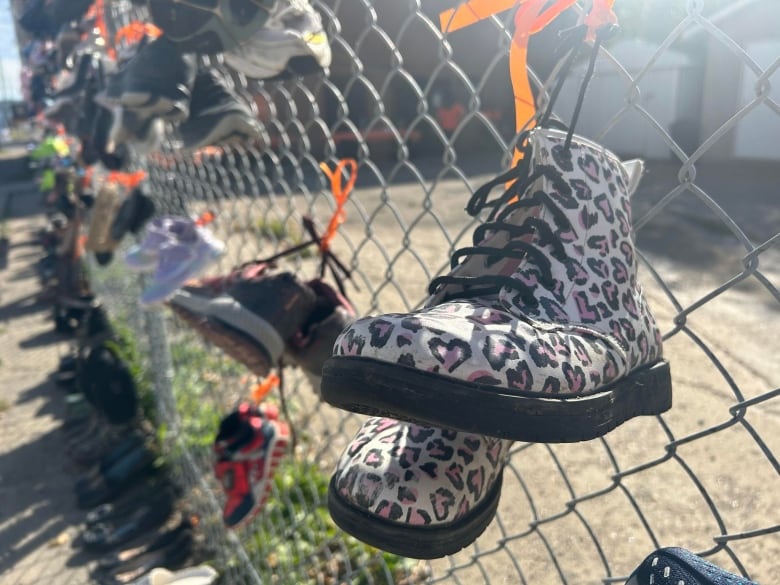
x,y
205,219
262,389
135,31
340,194
127,180
530,18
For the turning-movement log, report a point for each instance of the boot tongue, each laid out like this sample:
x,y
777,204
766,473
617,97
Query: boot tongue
x,y
633,169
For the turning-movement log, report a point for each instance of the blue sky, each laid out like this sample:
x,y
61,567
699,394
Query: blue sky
x,y
9,56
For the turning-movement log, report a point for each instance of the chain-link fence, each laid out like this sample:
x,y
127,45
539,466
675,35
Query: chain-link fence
x,y
429,117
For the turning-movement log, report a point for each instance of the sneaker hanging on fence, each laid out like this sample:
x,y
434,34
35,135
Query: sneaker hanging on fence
x,y
99,238
133,213
292,42
248,448
414,490
188,250
217,116
160,231
672,566
258,317
155,83
541,331
209,30
280,318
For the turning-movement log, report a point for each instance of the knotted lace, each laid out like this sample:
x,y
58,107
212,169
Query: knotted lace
x,y
501,208
514,198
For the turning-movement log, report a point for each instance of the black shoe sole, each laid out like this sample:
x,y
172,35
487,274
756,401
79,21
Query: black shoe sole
x,y
377,388
417,542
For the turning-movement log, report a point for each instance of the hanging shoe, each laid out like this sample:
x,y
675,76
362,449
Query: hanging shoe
x,y
77,82
541,331
416,491
101,216
133,213
104,210
210,29
200,575
249,314
672,566
312,345
160,231
292,42
128,127
217,116
94,147
249,447
157,82
185,256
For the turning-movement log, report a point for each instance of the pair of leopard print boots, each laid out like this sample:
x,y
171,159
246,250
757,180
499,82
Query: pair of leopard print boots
x,y
540,333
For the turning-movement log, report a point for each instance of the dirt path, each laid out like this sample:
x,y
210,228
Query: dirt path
x,y
38,517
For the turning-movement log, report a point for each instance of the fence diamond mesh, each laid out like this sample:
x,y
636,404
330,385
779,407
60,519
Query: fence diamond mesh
x,y
429,117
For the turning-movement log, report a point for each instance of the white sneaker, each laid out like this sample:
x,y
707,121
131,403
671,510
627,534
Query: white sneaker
x,y
292,42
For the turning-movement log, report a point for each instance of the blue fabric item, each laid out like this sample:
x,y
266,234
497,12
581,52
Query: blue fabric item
x,y
677,566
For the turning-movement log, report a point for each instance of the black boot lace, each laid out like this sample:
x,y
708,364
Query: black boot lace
x,y
515,198
502,207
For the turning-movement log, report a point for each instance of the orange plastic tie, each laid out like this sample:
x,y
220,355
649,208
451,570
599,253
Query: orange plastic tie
x,y
128,180
135,31
340,194
205,219
600,15
530,18
263,388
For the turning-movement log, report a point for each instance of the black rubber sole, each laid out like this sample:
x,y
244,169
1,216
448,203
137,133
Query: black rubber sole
x,y
377,388
417,542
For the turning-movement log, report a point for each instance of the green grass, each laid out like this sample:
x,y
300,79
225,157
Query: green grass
x,y
298,543
277,230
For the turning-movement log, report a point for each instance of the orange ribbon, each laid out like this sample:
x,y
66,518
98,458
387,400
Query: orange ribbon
x,y
127,180
262,389
135,31
530,18
205,219
340,194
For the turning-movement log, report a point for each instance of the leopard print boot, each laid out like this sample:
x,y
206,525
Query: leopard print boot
x,y
541,331
417,491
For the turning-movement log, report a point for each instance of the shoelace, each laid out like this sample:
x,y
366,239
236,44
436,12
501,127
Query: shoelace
x,y
511,201
502,207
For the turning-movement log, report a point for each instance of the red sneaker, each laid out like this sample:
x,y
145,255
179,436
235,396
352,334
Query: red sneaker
x,y
249,447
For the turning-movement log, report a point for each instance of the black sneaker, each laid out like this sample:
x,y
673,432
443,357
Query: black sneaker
x,y
136,209
210,26
216,115
94,147
81,76
157,82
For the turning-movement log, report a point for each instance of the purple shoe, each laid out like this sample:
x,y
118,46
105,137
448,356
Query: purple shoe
x,y
181,259
143,257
